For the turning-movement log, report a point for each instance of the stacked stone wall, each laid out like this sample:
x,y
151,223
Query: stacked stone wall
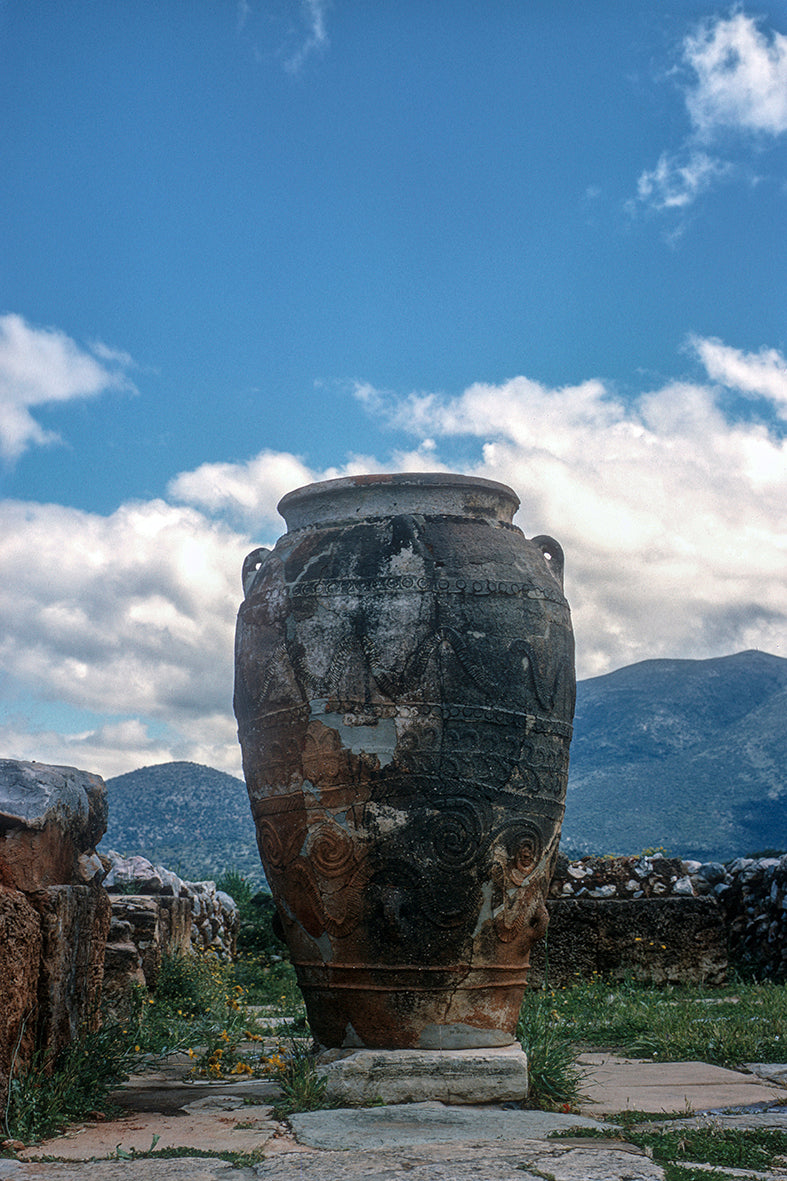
x,y
158,913
664,920
752,892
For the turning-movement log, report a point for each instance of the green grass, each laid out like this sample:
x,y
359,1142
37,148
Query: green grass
x,y
744,1022
736,1148
709,1144
197,1008
554,1078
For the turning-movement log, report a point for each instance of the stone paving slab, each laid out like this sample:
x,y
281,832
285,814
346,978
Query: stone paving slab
x,y
774,1072
612,1084
215,1127
426,1123
774,1117
526,1160
182,1169
151,1093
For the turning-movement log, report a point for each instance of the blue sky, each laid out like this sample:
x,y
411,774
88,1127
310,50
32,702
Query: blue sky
x,y
249,244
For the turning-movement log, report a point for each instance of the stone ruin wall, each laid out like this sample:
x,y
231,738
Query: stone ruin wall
x,y
665,920
155,913
64,940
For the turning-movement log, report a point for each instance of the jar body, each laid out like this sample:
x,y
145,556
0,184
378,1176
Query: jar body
x,y
404,694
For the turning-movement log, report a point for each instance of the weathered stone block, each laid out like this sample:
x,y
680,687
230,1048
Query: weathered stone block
x,y
142,912
681,940
361,1077
74,926
20,952
174,924
49,816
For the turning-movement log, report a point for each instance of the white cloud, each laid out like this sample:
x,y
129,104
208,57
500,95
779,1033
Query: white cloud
x,y
40,366
130,614
111,749
247,493
741,77
670,513
313,13
677,181
738,84
244,492
763,373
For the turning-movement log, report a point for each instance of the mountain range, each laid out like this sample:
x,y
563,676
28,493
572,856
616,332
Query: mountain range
x,y
690,755
686,755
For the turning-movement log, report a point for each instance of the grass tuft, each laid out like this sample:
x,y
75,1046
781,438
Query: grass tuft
x,y
555,1079
302,1087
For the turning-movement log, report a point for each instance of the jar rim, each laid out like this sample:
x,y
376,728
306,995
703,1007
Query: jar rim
x,y
292,506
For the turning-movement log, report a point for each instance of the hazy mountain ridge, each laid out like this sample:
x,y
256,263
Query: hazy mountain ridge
x,y
690,755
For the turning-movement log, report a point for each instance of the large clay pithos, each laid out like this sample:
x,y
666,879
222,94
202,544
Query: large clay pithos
x,y
404,693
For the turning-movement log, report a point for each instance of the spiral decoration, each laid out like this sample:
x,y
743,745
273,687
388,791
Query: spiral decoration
x,y
460,834
331,850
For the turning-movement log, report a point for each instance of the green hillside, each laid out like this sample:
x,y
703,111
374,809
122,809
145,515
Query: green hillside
x,y
190,818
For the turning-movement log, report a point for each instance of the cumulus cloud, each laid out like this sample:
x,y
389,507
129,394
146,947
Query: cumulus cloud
x,y
670,511
247,493
741,77
41,366
126,615
737,84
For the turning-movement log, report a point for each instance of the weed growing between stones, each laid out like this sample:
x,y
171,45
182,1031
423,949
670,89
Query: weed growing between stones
x,y
302,1088
197,1008
47,1094
553,1076
555,1079
262,963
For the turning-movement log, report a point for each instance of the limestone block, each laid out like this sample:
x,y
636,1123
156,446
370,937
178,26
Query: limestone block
x,y
20,950
142,912
122,969
74,926
174,924
678,940
170,882
48,817
134,872
359,1077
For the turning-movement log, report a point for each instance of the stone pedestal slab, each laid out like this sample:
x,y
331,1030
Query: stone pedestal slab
x,y
490,1075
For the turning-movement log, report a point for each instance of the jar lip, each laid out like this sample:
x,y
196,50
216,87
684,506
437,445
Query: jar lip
x,y
292,506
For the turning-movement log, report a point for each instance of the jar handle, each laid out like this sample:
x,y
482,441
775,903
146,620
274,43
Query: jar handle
x,y
553,556
252,564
